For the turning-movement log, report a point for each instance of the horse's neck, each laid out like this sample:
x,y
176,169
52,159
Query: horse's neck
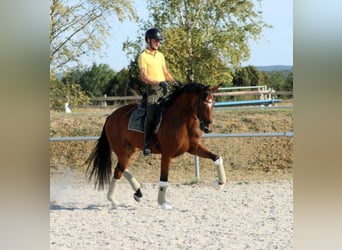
x,y
183,108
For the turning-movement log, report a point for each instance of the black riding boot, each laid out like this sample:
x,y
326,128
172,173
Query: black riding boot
x,y
147,136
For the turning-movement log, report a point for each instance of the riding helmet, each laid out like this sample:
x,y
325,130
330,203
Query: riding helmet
x,y
154,33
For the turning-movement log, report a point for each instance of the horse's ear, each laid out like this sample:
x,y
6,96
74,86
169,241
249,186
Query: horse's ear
x,y
207,87
213,89
206,91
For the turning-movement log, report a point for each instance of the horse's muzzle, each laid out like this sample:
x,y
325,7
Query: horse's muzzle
x,y
206,127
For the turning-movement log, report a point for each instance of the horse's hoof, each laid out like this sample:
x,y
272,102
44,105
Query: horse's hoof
x,y
138,195
137,198
217,185
166,205
115,203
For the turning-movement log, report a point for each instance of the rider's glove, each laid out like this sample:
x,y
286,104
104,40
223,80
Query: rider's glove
x,y
163,84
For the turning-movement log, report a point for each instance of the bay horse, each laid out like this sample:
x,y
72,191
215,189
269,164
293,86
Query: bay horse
x,y
187,112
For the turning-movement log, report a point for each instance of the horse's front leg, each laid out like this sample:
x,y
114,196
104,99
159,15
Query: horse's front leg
x,y
163,183
201,151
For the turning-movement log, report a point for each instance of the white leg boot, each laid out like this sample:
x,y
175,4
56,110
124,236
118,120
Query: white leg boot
x,y
134,184
219,182
113,186
161,195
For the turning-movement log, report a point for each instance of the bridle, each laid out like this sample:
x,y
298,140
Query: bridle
x,y
202,102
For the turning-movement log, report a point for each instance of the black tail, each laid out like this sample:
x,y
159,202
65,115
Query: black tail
x,y
100,162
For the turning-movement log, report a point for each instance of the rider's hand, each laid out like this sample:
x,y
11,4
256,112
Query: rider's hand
x,y
163,84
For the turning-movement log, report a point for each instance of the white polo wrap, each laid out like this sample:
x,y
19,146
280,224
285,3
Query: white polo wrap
x,y
162,191
220,171
131,179
113,186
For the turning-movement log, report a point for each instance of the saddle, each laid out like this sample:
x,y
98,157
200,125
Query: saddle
x,y
137,119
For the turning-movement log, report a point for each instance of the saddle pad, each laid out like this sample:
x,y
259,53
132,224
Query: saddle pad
x,y
137,120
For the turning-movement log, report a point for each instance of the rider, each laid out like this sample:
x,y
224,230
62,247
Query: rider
x,y
153,73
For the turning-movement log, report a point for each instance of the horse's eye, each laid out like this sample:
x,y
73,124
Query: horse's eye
x,y
209,102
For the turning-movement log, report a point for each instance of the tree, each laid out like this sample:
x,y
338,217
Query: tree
x,y
276,80
80,28
74,75
248,76
288,85
203,39
96,79
118,84
69,91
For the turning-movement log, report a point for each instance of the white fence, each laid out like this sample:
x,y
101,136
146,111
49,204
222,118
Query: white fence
x,y
262,91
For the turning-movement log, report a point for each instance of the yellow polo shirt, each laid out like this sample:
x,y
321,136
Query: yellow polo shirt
x,y
153,63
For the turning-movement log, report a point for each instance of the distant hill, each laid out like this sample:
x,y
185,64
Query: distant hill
x,y
274,68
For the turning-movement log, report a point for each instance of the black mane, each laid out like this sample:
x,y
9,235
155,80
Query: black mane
x,y
185,88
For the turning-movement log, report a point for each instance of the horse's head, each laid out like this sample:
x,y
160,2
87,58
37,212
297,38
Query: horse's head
x,y
205,105
200,104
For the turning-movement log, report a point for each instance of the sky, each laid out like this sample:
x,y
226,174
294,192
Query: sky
x,y
275,48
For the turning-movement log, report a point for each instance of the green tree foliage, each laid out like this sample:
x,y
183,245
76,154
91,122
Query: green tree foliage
x,y
124,83
134,78
74,75
80,27
275,80
70,92
203,39
94,80
288,85
248,76
118,84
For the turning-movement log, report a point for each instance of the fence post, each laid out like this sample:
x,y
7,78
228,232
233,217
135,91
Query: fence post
x,y
270,94
105,101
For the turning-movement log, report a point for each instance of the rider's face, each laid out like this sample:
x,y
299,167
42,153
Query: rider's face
x,y
154,44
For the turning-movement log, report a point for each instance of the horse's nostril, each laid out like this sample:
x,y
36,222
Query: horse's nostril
x,y
207,130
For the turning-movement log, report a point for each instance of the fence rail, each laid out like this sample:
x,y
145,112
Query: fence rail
x,y
262,92
197,159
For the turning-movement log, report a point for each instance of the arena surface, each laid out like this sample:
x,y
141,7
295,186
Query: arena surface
x,y
244,215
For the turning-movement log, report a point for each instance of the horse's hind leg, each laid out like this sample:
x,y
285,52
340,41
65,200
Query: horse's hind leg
x,y
134,184
121,169
113,186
